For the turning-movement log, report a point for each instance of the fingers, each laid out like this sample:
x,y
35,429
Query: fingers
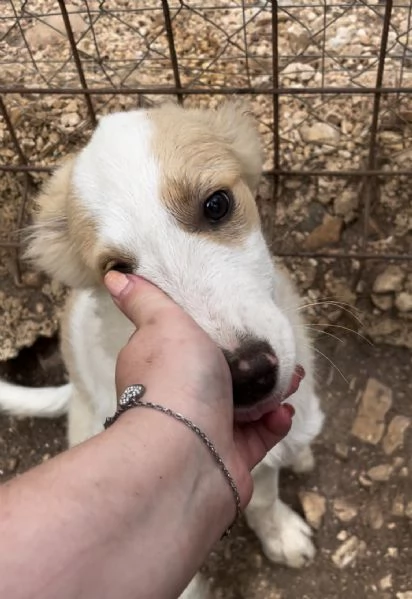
x,y
256,439
138,299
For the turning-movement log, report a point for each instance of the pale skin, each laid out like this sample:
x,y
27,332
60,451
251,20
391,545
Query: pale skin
x,y
134,511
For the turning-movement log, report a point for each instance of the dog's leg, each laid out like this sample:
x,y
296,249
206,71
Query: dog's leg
x,y
304,461
197,589
285,536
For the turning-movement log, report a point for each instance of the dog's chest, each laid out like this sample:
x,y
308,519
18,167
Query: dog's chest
x,y
97,332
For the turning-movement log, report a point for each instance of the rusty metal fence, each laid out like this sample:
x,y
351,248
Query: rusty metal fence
x,y
330,82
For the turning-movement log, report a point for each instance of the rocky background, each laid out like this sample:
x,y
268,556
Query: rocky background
x,y
332,45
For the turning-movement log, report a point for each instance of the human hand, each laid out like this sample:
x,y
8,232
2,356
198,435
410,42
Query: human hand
x,y
183,369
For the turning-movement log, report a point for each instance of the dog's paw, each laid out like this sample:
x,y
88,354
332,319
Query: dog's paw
x,y
290,543
304,461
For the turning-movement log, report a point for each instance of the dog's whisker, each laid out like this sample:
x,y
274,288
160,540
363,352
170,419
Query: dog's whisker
x,y
340,326
328,334
353,311
332,363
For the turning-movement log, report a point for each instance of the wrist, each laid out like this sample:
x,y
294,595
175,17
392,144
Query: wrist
x,y
178,455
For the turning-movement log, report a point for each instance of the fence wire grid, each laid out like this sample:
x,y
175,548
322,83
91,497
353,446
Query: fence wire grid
x,y
330,83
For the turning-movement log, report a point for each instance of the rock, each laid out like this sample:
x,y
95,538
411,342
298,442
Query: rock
x,y
320,133
390,280
374,517
369,423
408,510
69,120
383,302
315,215
395,434
346,204
314,507
298,37
348,552
298,71
342,451
325,234
51,28
340,289
344,511
385,583
380,473
398,506
404,595
342,37
403,301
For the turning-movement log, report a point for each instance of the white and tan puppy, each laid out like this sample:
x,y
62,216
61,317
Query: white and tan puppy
x,y
168,193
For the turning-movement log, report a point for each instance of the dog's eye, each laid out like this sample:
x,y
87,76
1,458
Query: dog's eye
x,y
217,205
120,266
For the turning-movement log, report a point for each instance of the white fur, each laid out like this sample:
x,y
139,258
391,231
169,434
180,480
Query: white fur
x,y
228,290
29,401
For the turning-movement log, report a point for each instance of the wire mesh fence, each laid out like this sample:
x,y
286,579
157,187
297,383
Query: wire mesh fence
x,y
330,83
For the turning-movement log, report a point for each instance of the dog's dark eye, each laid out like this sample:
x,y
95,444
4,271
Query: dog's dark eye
x,y
217,205
120,266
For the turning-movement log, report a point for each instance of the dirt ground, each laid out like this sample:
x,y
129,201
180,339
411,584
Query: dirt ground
x,y
370,517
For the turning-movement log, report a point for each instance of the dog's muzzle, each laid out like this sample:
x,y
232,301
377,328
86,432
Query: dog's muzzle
x,y
254,368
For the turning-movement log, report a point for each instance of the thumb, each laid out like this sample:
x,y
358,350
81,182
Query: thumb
x,y
138,299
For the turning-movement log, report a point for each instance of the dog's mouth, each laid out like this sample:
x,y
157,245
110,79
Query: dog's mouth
x,y
269,404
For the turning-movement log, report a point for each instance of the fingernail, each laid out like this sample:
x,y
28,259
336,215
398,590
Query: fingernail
x,y
116,282
290,409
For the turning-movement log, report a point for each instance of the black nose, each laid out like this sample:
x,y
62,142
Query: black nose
x,y
254,372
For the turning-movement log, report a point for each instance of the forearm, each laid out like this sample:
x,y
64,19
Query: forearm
x,y
107,519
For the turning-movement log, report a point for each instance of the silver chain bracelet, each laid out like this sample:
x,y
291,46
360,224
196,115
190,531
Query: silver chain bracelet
x,y
132,398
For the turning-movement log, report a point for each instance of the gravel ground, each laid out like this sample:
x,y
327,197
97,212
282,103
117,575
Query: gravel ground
x,y
359,498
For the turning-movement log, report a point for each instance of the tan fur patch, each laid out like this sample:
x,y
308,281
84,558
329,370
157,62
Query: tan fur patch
x,y
63,239
201,152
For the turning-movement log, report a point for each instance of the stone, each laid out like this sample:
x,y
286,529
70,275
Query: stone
x,y
381,473
51,28
347,553
408,510
385,583
342,37
392,552
343,510
325,234
320,133
369,424
299,71
398,506
314,507
390,280
404,595
374,517
384,302
69,120
342,451
395,434
403,301
346,204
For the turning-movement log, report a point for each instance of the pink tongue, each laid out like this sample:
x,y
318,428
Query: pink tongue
x,y
297,376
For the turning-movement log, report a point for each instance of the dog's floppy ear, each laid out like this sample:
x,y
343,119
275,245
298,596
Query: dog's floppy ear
x,y
52,243
236,123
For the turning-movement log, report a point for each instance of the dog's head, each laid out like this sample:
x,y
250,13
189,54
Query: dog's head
x,y
168,193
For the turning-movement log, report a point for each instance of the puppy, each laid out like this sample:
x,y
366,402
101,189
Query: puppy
x,y
168,193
